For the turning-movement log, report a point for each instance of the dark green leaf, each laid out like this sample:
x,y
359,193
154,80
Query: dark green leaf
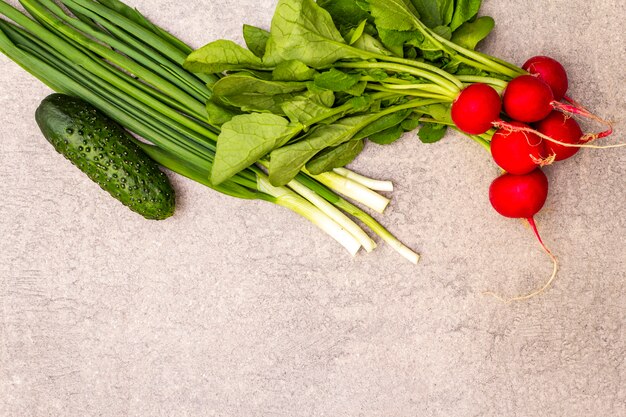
x,y
464,11
370,44
299,24
220,56
411,123
394,40
440,112
218,115
336,157
358,89
293,71
355,34
256,39
383,123
394,14
387,136
361,103
286,162
247,138
470,33
305,107
345,13
253,94
335,80
432,132
434,13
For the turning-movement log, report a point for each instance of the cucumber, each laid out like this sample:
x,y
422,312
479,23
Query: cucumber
x,y
104,151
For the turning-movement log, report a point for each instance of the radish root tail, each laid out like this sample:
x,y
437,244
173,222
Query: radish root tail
x,y
539,291
575,108
504,125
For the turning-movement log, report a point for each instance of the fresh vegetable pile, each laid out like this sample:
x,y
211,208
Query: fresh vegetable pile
x,y
280,119
91,53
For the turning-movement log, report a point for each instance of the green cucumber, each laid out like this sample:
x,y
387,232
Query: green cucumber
x,y
104,151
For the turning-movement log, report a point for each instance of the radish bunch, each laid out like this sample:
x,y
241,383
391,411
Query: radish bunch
x,y
533,129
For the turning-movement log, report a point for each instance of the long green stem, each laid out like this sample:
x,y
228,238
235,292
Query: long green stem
x,y
36,9
452,87
133,49
485,80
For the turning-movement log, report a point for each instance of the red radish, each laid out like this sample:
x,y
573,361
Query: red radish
x,y
519,196
528,99
517,152
564,129
522,196
476,109
551,72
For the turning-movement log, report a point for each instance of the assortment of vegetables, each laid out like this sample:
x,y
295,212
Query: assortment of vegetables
x,y
110,56
280,119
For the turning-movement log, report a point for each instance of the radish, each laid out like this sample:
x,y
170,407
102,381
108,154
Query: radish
x,y
476,108
564,129
549,71
522,197
517,152
528,99
519,196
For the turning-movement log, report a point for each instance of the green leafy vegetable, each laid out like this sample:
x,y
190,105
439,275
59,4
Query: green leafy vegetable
x,y
256,39
220,56
253,94
299,24
432,132
287,161
387,136
336,157
247,138
470,33
335,80
293,70
464,11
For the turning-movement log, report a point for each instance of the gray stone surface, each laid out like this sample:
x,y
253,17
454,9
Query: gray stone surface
x,y
236,308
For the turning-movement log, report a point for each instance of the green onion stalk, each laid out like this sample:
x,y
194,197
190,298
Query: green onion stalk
x,y
111,56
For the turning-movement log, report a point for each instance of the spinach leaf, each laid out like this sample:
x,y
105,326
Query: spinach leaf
x,y
335,80
346,14
247,138
253,94
434,13
385,122
412,122
256,39
305,107
220,56
470,33
370,44
432,132
394,40
298,24
394,14
357,89
355,34
293,70
286,162
336,157
464,11
387,136
218,114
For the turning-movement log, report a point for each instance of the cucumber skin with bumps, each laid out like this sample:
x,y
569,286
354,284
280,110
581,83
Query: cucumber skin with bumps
x,y
103,150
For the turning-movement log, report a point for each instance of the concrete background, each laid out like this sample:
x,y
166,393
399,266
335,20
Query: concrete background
x,y
236,308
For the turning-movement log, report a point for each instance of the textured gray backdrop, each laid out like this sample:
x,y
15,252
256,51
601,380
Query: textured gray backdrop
x,y
238,308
